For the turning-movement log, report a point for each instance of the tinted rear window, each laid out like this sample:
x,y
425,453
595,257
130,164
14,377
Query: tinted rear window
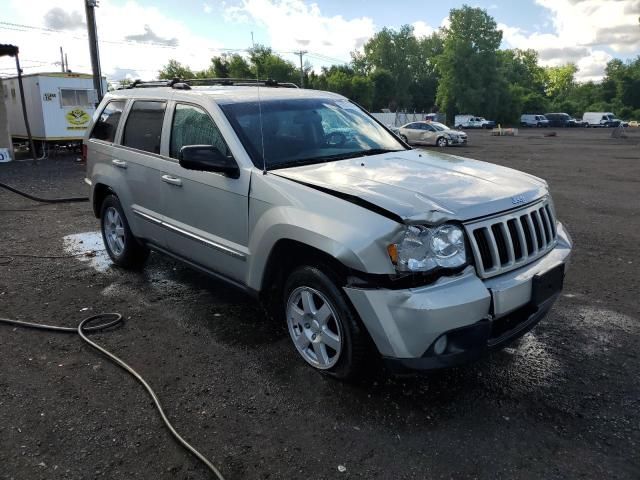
x,y
144,126
107,123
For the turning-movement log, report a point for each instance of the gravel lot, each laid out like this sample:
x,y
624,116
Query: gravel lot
x,y
562,403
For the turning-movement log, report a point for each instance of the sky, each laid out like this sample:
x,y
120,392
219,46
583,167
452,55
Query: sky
x,y
137,37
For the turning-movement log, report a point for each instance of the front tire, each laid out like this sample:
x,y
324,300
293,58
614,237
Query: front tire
x,y
442,142
325,331
404,139
122,246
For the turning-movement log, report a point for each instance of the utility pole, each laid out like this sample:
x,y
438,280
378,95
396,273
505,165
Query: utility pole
x,y
90,6
301,53
12,51
61,60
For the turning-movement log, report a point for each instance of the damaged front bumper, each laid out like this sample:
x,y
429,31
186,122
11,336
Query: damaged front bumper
x,y
473,315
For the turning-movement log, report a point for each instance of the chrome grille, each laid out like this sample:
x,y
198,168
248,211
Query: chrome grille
x,y
508,241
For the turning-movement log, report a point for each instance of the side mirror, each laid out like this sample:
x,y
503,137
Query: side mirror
x,y
207,158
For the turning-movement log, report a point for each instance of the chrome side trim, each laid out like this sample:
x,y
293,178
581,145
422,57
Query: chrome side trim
x,y
192,236
155,220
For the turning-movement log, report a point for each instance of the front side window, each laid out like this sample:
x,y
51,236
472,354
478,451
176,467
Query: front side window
x,y
301,131
193,126
107,123
143,129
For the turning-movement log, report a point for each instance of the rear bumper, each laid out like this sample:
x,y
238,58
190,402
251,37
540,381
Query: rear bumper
x,y
476,315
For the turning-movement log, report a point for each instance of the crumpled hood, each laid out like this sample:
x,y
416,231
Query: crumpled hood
x,y
422,186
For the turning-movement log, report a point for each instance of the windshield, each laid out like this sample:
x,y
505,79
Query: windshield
x,y
439,126
305,131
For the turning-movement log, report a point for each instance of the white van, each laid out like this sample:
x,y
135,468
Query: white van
x,y
531,120
600,119
471,121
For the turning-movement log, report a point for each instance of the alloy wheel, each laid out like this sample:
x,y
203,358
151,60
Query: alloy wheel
x,y
114,231
314,327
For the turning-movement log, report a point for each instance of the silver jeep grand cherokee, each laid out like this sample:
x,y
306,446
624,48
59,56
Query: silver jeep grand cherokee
x,y
302,199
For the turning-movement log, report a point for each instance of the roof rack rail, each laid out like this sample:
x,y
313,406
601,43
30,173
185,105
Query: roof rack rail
x,y
173,83
186,84
245,82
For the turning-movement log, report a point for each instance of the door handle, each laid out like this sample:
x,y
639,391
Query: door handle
x,y
119,163
172,180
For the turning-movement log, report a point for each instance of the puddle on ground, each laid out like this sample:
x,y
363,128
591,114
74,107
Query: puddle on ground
x,y
88,242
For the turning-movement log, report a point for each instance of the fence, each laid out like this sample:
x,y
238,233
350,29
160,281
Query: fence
x,y
397,119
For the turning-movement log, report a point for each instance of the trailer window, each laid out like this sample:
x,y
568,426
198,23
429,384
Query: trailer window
x,y
144,126
70,97
107,123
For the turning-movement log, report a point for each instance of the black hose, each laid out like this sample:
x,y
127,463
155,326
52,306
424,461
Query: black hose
x,y
44,200
116,319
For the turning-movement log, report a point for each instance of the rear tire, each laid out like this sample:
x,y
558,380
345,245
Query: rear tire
x,y
324,329
442,142
122,246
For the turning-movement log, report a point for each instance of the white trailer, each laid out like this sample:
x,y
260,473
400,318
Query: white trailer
x,y
59,106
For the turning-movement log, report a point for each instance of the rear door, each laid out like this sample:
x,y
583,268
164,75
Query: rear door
x,y
138,157
412,132
100,141
206,213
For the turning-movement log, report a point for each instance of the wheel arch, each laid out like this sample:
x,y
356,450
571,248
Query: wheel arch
x,y
100,192
286,255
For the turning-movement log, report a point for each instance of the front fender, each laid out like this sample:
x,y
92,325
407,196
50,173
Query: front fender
x,y
356,245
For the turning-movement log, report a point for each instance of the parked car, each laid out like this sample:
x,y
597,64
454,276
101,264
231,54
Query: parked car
x,y
574,122
359,244
431,133
634,124
471,121
562,120
531,120
602,119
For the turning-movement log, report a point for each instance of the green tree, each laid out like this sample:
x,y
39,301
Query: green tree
x,y
560,80
175,69
383,88
266,64
362,91
238,67
468,65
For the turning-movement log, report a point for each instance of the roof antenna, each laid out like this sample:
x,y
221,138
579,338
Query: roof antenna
x,y
264,160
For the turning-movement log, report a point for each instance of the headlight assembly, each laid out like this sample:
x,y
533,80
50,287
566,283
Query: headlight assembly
x,y
422,249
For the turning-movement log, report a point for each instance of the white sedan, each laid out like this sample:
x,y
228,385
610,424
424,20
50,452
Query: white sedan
x,y
431,133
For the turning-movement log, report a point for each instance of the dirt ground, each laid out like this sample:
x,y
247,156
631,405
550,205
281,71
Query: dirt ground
x,y
562,403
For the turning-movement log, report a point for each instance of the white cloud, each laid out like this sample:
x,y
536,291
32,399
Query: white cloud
x,y
422,29
294,23
153,38
207,8
582,31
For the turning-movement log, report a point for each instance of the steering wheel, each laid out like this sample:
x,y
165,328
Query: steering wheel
x,y
336,139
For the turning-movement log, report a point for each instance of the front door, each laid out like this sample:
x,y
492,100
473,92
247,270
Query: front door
x,y
206,213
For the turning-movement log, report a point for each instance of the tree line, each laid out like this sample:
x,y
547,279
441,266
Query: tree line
x,y
456,69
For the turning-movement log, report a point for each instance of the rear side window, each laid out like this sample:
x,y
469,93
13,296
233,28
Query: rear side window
x,y
144,126
193,126
107,123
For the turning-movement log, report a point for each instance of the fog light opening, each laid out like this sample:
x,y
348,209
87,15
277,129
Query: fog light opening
x,y
440,346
